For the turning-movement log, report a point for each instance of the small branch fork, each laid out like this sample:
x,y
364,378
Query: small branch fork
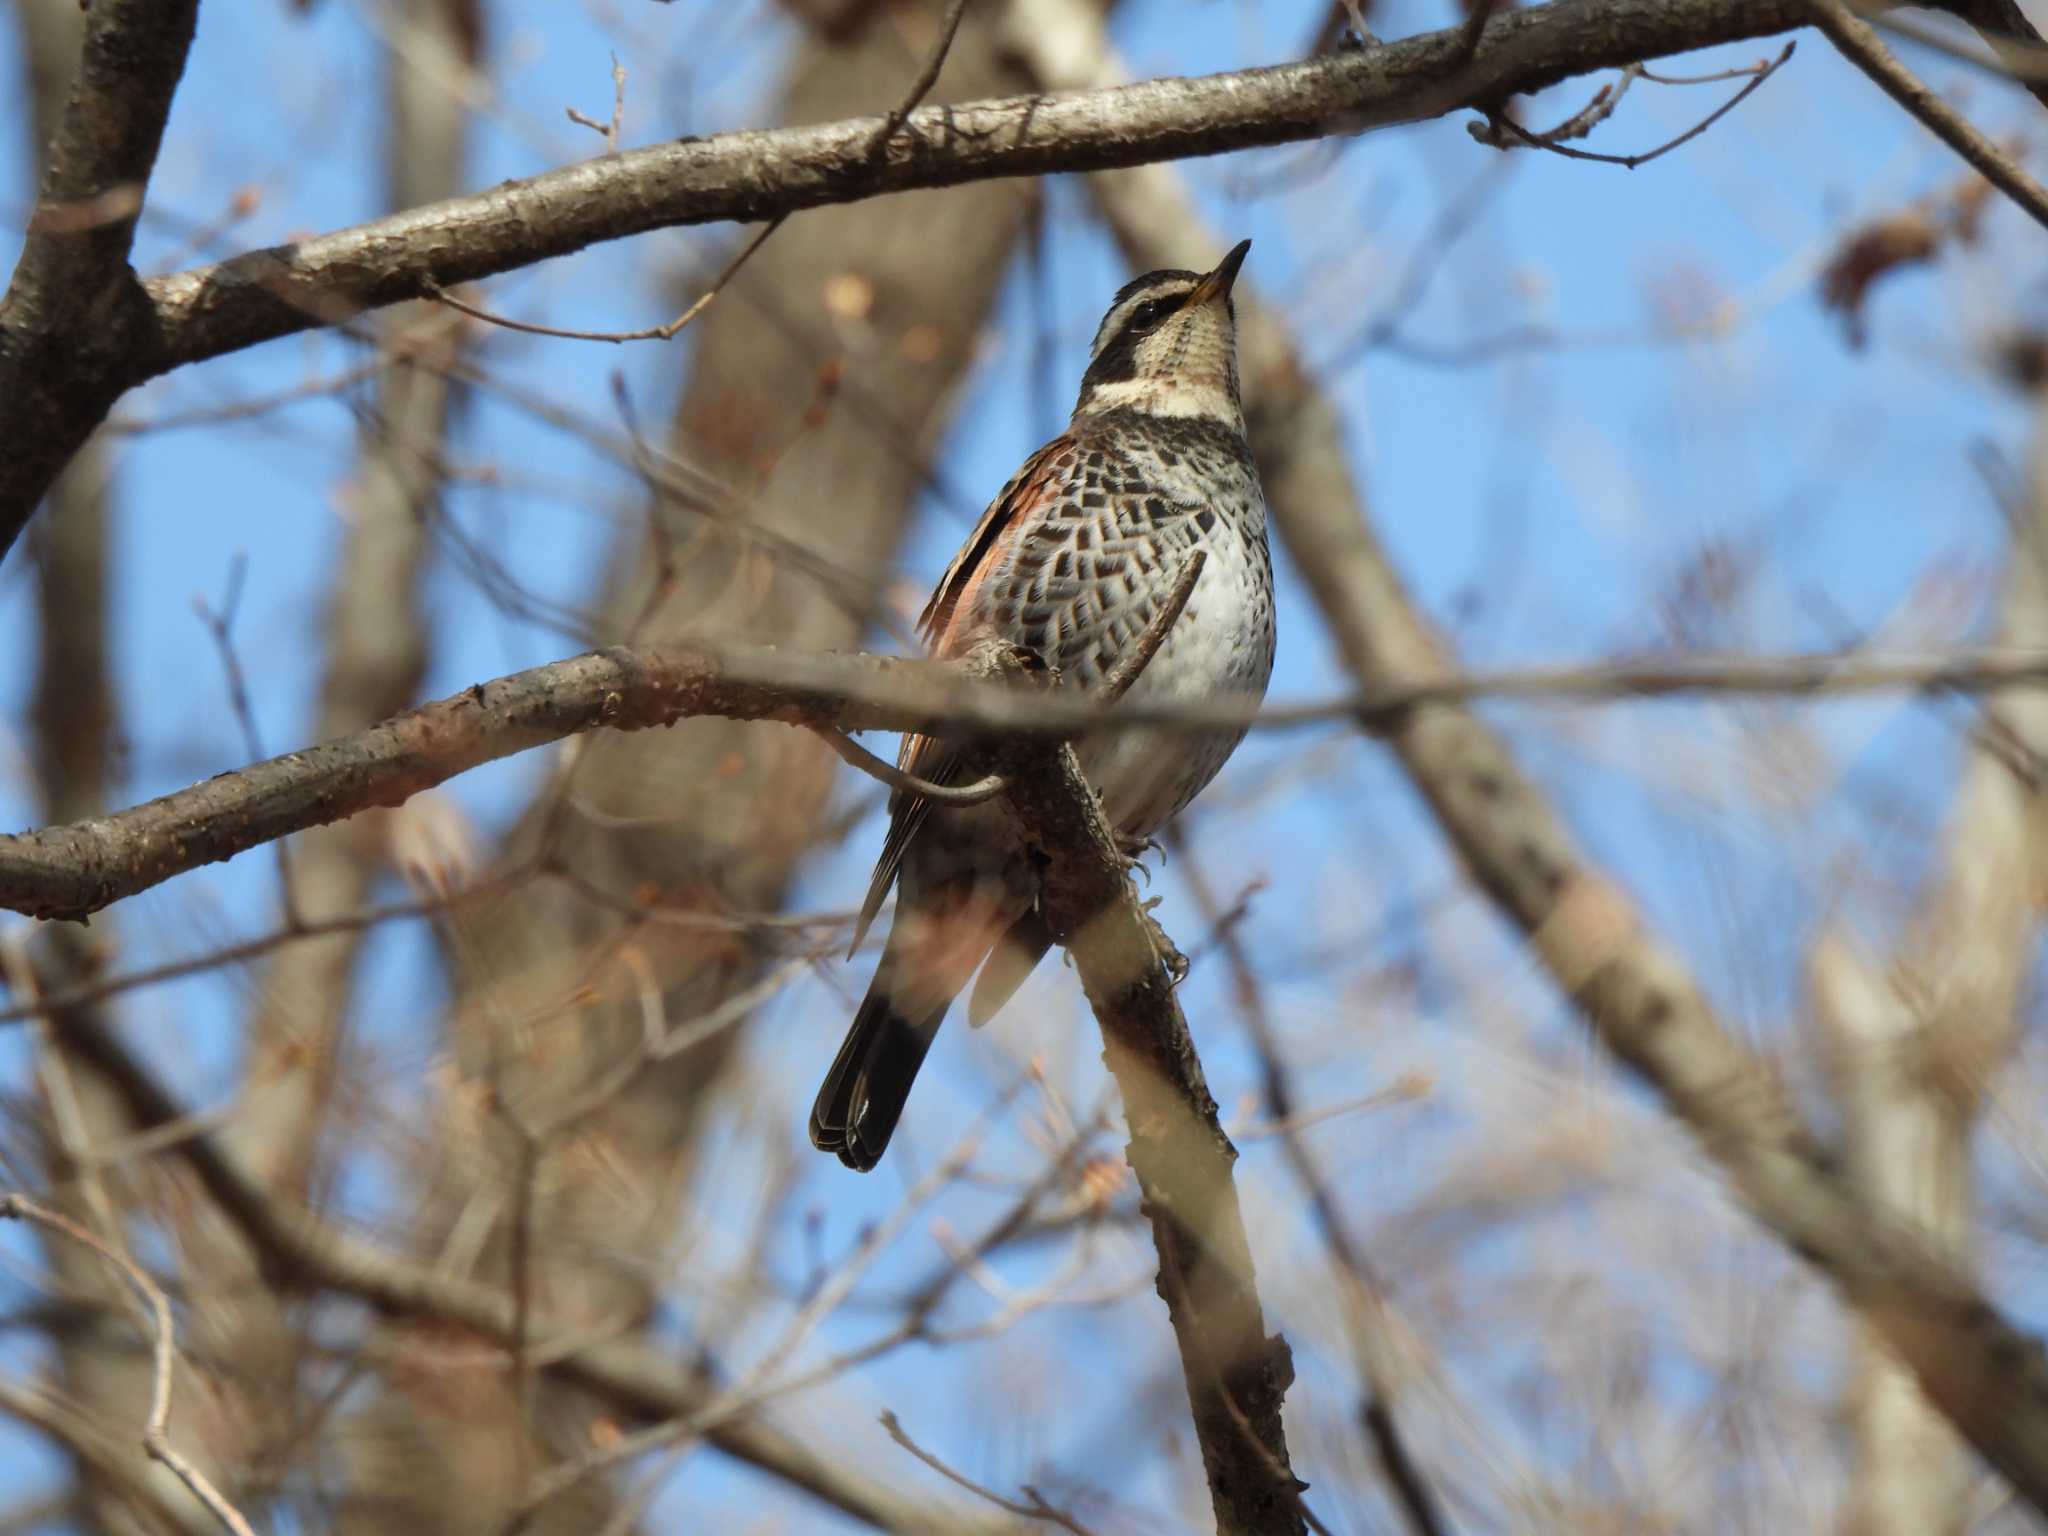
x,y
611,129
156,1441
921,87
1036,1509
1502,132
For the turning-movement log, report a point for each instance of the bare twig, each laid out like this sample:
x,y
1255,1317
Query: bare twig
x,y
1716,77
666,331
99,989
851,751
1861,46
927,77
1499,123
1593,114
1035,1507
249,408
220,623
610,130
156,1428
761,1384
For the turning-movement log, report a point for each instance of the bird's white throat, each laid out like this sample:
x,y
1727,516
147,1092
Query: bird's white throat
x,y
1175,395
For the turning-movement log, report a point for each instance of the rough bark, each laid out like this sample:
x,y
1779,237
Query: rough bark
x,y
75,317
1236,1375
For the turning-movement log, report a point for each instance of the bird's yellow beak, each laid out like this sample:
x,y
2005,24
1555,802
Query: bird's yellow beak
x,y
1218,283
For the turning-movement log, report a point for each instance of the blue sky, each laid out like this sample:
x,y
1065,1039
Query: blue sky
x,y
1537,502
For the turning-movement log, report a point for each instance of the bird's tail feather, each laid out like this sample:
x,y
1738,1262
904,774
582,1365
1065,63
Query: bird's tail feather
x,y
869,1081
1015,956
943,931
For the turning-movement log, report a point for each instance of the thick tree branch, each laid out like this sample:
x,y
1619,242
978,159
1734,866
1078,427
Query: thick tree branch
x,y
754,176
1236,1375
751,176
74,316
75,870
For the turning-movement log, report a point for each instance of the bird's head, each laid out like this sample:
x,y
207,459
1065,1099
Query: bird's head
x,y
1168,347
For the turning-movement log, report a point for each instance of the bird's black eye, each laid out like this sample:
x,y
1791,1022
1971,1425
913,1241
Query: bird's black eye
x,y
1150,313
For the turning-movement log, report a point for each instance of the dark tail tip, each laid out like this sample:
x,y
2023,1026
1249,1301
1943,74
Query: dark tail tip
x,y
869,1082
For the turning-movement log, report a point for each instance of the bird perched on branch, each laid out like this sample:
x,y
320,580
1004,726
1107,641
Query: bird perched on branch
x,y
1072,560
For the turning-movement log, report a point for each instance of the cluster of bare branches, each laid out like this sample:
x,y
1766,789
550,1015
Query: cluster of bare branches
x,y
573,1247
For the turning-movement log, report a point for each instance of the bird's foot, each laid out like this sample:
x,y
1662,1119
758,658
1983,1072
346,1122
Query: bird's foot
x,y
1176,963
1170,956
1134,850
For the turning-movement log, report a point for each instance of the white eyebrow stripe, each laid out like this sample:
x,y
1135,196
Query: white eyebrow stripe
x,y
1114,322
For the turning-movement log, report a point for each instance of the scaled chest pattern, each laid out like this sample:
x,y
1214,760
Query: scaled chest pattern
x,y
1122,507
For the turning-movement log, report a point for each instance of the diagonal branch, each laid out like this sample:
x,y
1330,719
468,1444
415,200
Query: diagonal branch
x,y
1915,1045
1236,1375
1859,43
761,175
74,313
1361,1294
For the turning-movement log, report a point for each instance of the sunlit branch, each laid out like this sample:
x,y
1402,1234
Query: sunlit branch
x,y
74,870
